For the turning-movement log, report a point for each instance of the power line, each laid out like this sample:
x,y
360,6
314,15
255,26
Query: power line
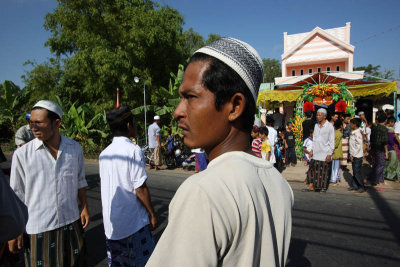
x,y
377,34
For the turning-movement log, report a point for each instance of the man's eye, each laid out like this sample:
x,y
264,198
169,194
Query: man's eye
x,y
190,96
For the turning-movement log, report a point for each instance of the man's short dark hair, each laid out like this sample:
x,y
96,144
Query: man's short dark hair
x,y
308,113
391,119
356,121
345,115
338,123
270,120
224,82
381,116
264,130
118,119
52,116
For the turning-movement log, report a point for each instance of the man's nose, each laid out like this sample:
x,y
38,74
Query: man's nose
x,y
179,111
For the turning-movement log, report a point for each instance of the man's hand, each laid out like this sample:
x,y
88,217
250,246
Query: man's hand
x,y
386,155
311,153
15,245
328,158
153,222
351,158
85,217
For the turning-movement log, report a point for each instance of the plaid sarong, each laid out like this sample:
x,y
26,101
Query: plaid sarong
x,y
319,173
62,247
134,250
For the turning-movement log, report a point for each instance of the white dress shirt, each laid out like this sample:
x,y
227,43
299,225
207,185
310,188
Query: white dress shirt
x,y
272,140
153,132
122,170
397,128
356,144
323,141
48,186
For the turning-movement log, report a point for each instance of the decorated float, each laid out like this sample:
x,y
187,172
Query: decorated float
x,y
331,96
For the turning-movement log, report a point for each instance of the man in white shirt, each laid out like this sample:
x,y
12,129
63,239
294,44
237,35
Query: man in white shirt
x,y
323,147
155,143
272,137
48,175
397,126
128,215
237,212
24,133
356,156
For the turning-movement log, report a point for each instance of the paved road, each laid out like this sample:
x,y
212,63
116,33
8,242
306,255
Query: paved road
x,y
334,229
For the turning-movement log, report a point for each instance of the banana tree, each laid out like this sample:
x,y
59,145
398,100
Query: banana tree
x,y
12,99
81,124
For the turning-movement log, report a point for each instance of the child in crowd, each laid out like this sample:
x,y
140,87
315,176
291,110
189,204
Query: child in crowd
x,y
338,153
256,143
307,148
356,156
290,146
265,147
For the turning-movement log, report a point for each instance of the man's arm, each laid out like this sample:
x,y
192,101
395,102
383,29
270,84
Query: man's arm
x,y
82,184
85,216
143,195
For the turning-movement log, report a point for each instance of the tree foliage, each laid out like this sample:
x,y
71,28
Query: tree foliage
x,y
376,72
12,107
272,69
108,43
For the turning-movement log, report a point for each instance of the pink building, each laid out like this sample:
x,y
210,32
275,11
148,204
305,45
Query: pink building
x,y
317,51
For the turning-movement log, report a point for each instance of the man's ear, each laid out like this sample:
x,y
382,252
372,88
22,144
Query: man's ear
x,y
237,105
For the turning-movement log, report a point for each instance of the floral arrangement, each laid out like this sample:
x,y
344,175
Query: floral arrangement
x,y
298,132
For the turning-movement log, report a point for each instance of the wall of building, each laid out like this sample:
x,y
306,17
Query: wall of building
x,y
314,67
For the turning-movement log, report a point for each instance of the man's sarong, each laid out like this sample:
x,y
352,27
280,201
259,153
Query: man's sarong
x,y
135,250
62,247
318,174
155,158
345,150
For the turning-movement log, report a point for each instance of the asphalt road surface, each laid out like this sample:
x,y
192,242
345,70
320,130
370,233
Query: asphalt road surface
x,y
338,228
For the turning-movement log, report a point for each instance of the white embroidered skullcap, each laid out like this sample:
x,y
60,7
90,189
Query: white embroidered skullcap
x,y
361,113
51,106
241,57
156,118
322,110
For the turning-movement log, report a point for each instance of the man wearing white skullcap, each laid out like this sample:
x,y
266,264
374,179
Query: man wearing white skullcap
x,y
323,147
237,212
155,143
48,175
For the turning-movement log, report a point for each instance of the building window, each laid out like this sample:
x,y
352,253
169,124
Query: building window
x,y
301,72
293,72
319,69
328,69
337,68
310,71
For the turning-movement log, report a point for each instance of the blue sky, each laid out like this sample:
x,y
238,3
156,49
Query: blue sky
x,y
261,23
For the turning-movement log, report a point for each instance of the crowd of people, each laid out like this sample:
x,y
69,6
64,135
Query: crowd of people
x,y
329,145
225,215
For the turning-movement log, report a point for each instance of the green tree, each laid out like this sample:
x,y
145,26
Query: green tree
x,y
211,38
376,72
108,43
272,69
193,40
12,108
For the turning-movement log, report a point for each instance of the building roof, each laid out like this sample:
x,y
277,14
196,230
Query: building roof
x,y
336,36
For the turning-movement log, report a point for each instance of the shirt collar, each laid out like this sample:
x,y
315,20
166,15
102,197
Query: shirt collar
x,y
121,139
64,141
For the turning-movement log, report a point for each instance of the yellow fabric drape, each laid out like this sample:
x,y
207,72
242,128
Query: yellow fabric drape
x,y
380,89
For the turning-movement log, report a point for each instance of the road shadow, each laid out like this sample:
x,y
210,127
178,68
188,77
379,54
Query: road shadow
x,y
93,181
392,220
296,256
